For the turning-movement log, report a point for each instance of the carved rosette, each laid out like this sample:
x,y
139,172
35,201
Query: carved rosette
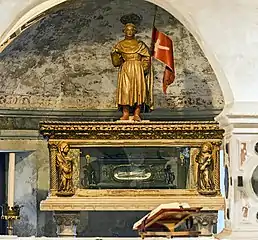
x,y
66,223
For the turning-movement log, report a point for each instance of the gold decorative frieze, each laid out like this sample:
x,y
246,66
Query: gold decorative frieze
x,y
131,130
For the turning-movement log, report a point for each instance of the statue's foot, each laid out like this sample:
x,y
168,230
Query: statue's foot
x,y
136,118
124,118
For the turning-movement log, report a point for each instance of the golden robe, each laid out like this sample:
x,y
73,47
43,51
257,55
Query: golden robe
x,y
135,77
65,168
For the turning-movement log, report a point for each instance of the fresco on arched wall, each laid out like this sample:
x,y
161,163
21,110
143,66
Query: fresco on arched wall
x,y
63,62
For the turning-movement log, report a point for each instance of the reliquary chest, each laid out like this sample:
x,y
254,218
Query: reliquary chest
x,y
133,166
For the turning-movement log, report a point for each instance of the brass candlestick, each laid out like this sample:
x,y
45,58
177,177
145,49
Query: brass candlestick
x,y
10,214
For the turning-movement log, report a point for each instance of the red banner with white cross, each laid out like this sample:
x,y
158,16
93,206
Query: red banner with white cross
x,y
162,50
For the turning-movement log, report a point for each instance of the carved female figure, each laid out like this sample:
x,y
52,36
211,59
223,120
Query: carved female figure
x,y
65,169
135,77
205,162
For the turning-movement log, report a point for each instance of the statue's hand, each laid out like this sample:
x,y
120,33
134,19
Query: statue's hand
x,y
202,168
146,66
115,50
116,59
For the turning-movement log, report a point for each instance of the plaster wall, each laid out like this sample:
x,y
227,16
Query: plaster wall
x,y
63,62
31,181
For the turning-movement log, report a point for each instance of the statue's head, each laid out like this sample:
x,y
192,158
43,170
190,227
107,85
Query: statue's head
x,y
130,30
63,147
87,158
206,147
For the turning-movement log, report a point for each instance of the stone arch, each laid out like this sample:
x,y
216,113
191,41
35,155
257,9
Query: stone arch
x,y
34,12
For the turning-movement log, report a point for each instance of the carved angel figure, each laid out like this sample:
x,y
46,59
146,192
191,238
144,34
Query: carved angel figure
x,y
64,166
205,168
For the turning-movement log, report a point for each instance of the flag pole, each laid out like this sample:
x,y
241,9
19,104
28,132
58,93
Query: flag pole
x,y
152,41
153,29
155,13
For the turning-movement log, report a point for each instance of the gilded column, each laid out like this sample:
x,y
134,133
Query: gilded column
x,y
217,166
53,171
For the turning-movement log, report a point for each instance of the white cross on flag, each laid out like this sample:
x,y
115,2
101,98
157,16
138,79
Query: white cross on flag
x,y
162,50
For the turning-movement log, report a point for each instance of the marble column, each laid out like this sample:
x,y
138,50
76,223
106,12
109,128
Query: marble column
x,y
66,223
205,222
240,162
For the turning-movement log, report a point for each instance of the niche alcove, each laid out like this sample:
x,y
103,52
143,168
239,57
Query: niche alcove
x,y
60,70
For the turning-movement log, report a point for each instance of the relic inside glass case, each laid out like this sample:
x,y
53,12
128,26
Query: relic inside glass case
x,y
135,167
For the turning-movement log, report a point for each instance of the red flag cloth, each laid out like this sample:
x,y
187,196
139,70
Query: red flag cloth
x,y
162,50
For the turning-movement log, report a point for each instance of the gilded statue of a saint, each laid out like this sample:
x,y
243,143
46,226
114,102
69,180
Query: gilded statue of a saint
x,y
135,77
205,178
64,165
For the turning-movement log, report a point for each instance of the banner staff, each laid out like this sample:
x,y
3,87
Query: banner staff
x,y
153,29
155,13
